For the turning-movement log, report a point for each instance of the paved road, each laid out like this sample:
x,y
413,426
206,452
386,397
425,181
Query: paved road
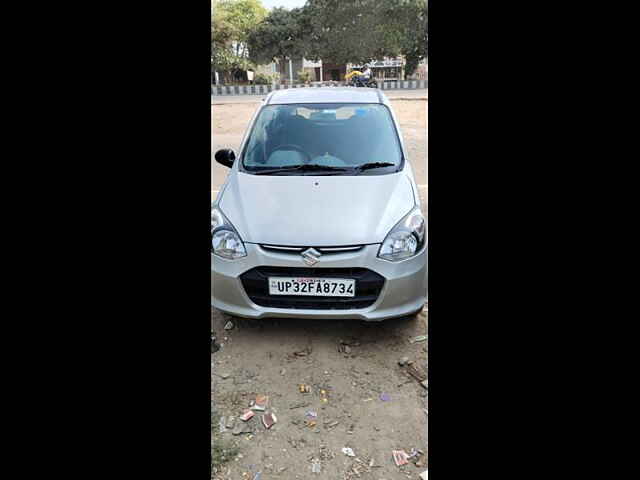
x,y
394,94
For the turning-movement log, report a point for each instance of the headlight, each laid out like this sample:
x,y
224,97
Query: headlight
x,y
217,219
405,239
225,240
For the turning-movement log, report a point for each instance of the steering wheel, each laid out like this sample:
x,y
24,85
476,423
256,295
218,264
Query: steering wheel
x,y
291,146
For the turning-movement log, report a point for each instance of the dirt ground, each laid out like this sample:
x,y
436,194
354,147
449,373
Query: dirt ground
x,y
259,357
377,405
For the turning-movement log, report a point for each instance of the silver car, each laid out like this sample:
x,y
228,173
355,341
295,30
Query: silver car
x,y
319,216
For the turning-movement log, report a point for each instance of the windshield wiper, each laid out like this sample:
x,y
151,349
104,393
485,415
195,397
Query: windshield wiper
x,y
302,168
323,168
368,166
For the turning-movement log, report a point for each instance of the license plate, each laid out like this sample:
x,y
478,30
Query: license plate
x,y
313,287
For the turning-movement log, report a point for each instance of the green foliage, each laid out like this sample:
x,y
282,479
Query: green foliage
x,y
224,60
279,35
344,31
243,16
304,76
409,19
337,31
263,79
231,24
359,31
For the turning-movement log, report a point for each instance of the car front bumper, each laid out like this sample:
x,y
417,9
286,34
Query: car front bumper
x,y
404,290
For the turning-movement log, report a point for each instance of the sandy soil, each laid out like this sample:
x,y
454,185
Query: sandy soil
x,y
259,358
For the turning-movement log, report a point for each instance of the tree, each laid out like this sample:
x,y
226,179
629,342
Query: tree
x,y
358,31
409,19
347,31
231,23
343,31
278,37
304,76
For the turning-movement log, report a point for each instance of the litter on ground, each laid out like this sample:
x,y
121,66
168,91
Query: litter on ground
x,y
230,422
260,403
304,388
348,452
223,425
269,419
400,457
246,415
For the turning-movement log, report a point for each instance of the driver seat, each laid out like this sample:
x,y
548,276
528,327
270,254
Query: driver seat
x,y
296,131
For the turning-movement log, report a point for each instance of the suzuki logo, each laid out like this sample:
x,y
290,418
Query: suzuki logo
x,y
311,256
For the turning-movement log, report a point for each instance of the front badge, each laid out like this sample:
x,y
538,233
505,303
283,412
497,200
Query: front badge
x,y
311,256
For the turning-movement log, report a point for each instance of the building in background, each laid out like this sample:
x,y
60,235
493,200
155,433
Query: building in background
x,y
320,71
314,68
388,69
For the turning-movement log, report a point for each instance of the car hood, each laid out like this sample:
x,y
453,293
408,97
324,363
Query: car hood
x,y
316,210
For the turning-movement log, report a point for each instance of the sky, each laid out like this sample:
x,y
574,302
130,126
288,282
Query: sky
x,y
269,4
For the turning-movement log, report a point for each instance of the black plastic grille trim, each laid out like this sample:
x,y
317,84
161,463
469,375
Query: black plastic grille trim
x,y
368,287
322,250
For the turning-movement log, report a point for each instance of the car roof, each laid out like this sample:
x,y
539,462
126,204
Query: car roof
x,y
326,95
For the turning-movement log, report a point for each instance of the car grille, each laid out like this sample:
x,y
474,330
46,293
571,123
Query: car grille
x,y
322,250
368,287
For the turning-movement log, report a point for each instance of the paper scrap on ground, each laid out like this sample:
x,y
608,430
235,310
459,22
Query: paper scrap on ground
x,y
419,338
400,457
260,403
348,451
269,419
246,415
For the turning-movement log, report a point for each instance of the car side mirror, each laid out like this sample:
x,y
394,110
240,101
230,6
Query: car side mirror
x,y
225,157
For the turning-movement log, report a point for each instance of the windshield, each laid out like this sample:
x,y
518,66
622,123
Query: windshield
x,y
323,139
